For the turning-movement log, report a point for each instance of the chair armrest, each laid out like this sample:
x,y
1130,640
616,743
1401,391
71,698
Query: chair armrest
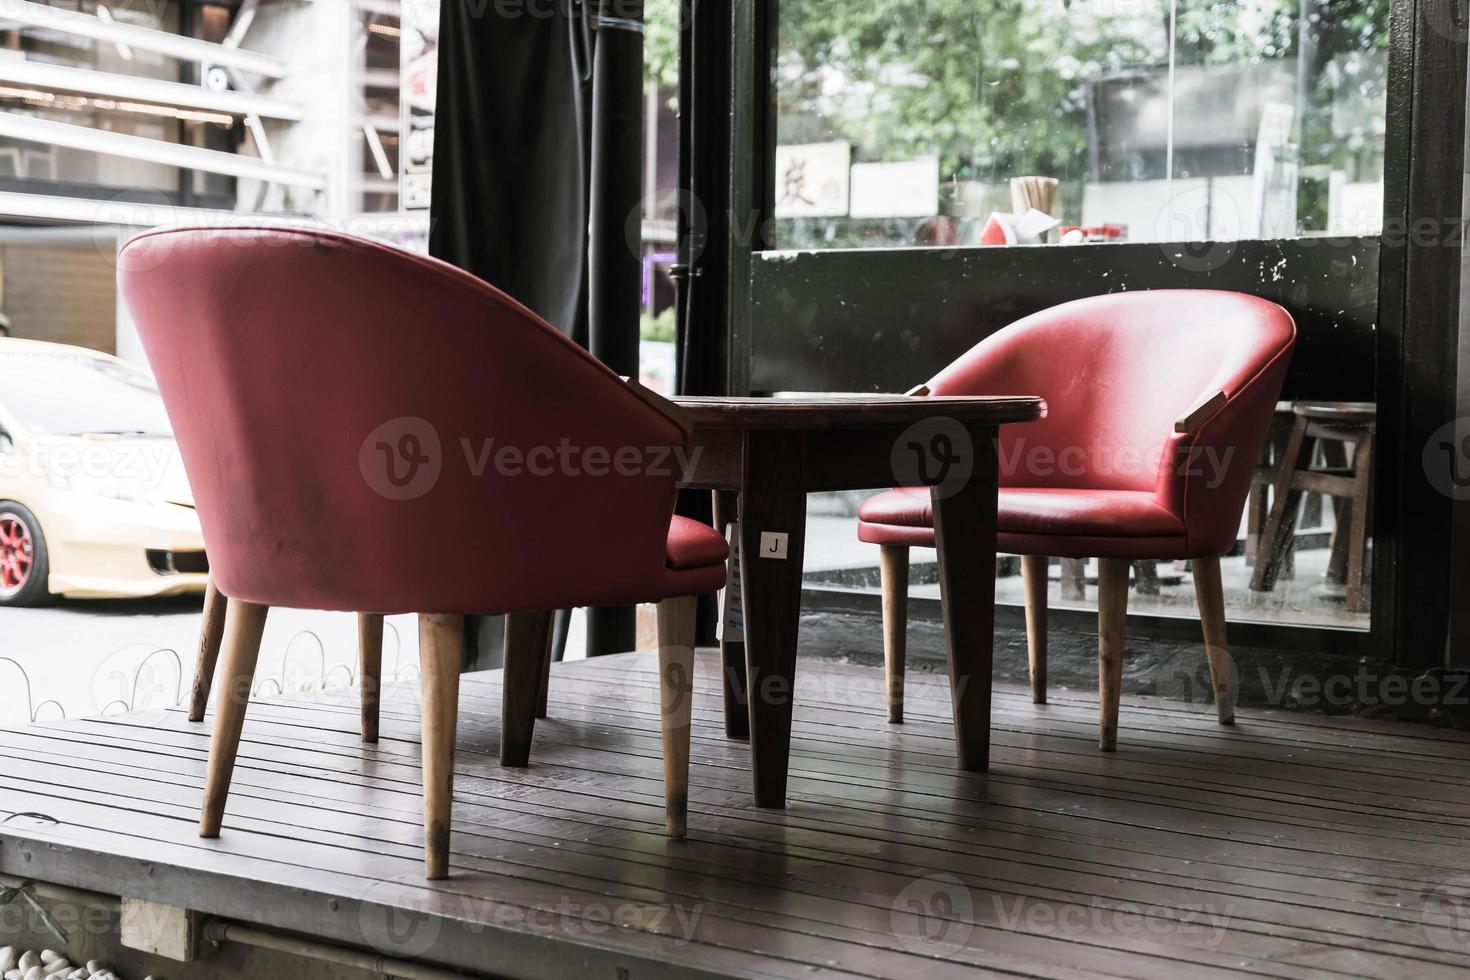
x,y
661,405
1200,413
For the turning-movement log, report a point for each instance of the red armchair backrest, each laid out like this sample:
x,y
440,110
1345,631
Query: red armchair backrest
x,y
369,430
1116,372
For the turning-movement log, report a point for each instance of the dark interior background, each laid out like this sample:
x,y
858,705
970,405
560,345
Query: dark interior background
x,y
888,319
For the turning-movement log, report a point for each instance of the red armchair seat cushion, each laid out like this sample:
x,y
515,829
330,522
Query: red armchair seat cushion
x,y
695,556
1041,510
694,545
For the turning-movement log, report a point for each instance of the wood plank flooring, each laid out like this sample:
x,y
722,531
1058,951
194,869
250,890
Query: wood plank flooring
x,y
1289,846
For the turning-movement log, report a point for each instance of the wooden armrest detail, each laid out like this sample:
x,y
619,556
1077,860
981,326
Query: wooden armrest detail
x,y
1200,413
662,405
919,391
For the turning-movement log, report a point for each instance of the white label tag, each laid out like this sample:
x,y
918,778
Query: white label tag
x,y
773,545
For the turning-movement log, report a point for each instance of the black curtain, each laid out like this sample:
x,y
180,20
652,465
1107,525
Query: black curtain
x,y
510,152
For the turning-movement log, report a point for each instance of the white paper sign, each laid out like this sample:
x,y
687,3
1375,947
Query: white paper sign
x,y
907,189
812,180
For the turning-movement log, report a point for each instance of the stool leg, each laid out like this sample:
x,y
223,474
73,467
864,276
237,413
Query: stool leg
x,y
1334,454
1285,501
1357,596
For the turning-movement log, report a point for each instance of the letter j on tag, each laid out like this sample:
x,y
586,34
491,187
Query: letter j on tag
x,y
773,544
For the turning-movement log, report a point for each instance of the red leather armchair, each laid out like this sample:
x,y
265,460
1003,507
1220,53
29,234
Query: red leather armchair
x,y
1158,404
367,430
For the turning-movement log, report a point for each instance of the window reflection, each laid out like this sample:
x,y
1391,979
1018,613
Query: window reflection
x,y
911,122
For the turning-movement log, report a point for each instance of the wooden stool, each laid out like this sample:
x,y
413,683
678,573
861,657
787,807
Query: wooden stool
x,y
1336,425
1258,505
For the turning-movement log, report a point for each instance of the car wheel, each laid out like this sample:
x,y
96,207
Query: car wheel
x,y
24,568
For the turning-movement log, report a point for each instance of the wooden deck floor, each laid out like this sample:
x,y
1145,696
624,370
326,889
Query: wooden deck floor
x,y
1290,846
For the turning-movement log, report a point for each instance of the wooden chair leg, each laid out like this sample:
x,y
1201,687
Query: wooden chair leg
x,y
543,697
211,635
441,638
244,624
1033,576
1211,597
370,671
676,634
527,641
894,570
1112,616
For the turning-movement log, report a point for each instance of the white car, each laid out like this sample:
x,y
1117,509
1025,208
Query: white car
x,y
93,498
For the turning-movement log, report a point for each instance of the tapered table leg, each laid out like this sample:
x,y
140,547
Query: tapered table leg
x,y
964,528
772,536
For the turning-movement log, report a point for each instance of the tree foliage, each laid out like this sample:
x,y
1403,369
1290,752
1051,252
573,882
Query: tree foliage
x,y
1000,87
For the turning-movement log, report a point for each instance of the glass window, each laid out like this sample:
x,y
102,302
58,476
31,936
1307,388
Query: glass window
x,y
944,122
79,393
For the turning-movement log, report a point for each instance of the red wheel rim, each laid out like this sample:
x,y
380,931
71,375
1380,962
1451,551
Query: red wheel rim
x,y
17,552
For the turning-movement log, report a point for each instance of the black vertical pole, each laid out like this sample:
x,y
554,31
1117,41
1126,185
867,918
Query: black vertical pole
x,y
614,249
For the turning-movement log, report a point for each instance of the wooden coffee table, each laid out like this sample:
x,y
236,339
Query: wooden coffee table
x,y
772,452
